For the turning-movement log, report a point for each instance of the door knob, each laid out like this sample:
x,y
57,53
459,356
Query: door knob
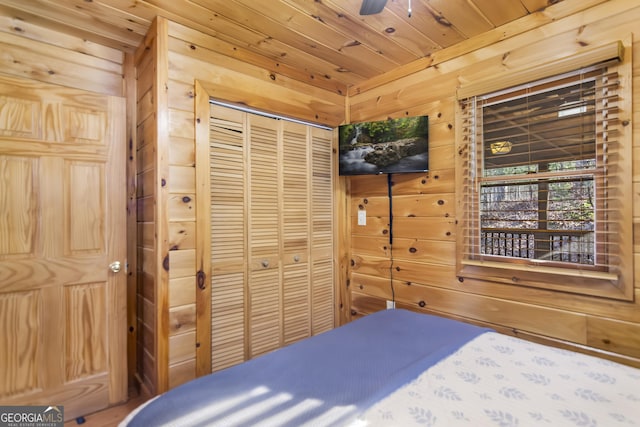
x,y
115,266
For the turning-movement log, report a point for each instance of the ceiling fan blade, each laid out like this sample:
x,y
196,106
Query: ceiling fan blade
x,y
371,7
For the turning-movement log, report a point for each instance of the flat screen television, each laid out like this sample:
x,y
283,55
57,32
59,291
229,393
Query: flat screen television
x,y
384,146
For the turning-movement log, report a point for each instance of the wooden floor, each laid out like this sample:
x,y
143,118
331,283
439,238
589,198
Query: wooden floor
x,y
109,417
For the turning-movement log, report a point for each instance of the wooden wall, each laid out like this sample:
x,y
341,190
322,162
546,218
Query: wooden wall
x,y
422,262
152,229
35,53
169,63
162,154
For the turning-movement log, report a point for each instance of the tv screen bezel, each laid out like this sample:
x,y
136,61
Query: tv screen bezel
x,y
371,169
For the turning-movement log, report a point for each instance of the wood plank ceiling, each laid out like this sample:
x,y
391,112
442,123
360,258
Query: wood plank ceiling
x,y
323,42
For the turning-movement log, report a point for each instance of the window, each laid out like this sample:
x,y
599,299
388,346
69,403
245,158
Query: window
x,y
546,184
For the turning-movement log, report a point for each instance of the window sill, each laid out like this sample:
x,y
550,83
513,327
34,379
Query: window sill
x,y
593,283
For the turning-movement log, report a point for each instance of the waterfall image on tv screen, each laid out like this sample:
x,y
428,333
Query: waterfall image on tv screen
x,y
384,146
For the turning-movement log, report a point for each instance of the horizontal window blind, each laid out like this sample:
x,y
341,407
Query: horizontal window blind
x,y
539,174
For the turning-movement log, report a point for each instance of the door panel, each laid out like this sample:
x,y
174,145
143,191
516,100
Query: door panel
x,y
228,236
296,239
18,351
84,226
17,205
264,236
271,234
62,222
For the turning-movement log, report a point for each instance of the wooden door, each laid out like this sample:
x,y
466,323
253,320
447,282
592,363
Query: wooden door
x,y
296,216
227,148
62,222
264,236
271,228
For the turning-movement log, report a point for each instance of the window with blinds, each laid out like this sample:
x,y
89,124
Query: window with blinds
x,y
544,184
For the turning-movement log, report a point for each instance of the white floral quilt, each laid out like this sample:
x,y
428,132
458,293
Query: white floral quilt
x,y
498,380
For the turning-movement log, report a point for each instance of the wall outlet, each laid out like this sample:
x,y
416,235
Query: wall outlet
x,y
362,217
391,305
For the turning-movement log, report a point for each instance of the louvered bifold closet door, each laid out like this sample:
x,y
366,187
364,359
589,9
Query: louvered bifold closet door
x,y
296,225
271,234
264,236
228,236
322,291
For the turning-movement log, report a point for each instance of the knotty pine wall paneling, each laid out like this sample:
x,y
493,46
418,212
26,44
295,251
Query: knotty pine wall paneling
x,y
132,220
169,63
152,196
36,53
422,269
172,59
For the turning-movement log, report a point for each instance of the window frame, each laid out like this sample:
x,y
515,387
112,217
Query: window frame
x,y
617,282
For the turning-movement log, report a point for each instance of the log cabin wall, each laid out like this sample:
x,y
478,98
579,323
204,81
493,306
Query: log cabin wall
x,y
422,261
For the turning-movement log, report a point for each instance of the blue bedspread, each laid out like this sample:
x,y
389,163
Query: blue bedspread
x,y
324,380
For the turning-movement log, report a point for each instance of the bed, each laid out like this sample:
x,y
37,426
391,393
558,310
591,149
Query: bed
x,y
401,368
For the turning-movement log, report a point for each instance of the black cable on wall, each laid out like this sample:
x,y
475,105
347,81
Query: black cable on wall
x,y
390,195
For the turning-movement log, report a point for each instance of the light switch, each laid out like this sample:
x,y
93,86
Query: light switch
x,y
362,217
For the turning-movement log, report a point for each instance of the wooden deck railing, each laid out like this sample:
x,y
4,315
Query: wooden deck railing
x,y
552,245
